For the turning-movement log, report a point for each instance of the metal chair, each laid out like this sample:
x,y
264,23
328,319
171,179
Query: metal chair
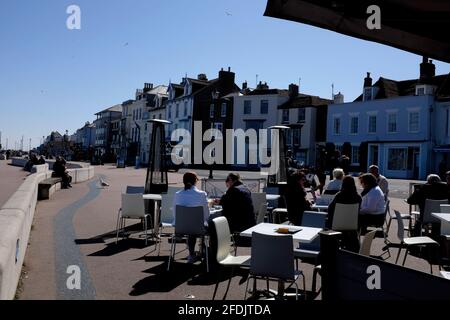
x,y
167,214
189,222
133,207
412,241
345,217
310,251
224,258
259,205
267,249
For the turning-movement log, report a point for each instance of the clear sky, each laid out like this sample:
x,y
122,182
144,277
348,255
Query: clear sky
x,y
52,78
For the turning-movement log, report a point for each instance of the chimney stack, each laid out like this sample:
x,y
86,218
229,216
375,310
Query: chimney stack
x,y
244,86
202,77
293,90
147,87
262,86
427,70
368,81
338,98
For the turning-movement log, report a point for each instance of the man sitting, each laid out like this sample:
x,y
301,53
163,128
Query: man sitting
x,y
335,185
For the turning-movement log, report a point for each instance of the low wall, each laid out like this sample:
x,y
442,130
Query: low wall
x,y
16,218
21,162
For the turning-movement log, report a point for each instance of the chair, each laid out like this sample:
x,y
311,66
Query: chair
x,y
133,207
167,215
135,190
272,258
325,199
430,207
364,250
413,241
259,205
405,216
310,250
445,208
381,224
345,217
189,222
224,258
366,244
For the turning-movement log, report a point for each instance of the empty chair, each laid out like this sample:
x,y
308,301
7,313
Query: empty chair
x,y
366,244
345,217
310,250
325,199
381,223
167,214
413,241
133,207
135,190
405,216
224,258
272,259
259,205
189,222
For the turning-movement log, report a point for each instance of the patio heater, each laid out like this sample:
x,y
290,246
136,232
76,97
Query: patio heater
x,y
156,181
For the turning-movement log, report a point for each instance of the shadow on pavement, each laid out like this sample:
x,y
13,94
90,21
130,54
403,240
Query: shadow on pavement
x,y
123,245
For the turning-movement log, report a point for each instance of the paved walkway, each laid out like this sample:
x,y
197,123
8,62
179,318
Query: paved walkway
x,y
77,228
10,180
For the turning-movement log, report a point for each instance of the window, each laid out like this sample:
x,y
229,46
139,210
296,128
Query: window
x,y
397,159
185,108
223,110
218,126
392,123
421,91
286,115
301,115
264,106
413,121
296,136
211,111
337,126
372,124
446,124
170,112
289,137
177,111
140,114
160,116
247,107
367,94
355,155
354,122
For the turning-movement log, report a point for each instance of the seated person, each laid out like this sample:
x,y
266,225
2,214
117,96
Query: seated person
x,y
237,204
335,185
381,180
434,189
296,201
347,195
190,196
41,160
373,205
60,171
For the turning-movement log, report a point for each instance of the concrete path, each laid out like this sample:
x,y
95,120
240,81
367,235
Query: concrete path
x,y
77,227
10,180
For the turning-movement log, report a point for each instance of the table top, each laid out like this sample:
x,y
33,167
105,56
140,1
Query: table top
x,y
271,197
442,216
305,234
319,207
156,197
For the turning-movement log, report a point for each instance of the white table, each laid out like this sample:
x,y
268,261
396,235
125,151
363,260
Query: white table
x,y
445,222
272,197
305,235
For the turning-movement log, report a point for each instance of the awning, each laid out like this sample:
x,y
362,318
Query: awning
x,y
418,26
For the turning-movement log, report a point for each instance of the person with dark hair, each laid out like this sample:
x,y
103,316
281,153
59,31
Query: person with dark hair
x,y
296,201
60,171
237,204
41,160
373,202
347,195
381,180
190,196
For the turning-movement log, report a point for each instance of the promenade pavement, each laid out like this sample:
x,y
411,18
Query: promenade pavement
x,y
77,228
10,180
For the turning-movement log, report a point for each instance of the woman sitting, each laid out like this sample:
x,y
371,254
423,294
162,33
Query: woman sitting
x,y
335,185
373,204
296,198
347,195
190,196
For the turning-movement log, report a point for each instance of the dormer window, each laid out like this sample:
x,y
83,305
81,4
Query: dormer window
x,y
424,89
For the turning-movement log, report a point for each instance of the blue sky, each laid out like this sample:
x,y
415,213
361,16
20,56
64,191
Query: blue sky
x,y
52,78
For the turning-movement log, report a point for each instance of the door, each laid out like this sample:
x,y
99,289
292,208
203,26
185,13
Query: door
x,y
373,154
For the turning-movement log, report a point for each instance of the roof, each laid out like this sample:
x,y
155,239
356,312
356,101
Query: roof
x,y
116,108
305,100
391,88
257,92
415,26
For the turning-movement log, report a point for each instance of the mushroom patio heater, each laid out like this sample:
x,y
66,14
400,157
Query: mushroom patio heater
x,y
157,181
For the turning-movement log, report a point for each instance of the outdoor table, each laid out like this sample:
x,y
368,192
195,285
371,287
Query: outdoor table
x,y
157,198
445,222
272,197
303,234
